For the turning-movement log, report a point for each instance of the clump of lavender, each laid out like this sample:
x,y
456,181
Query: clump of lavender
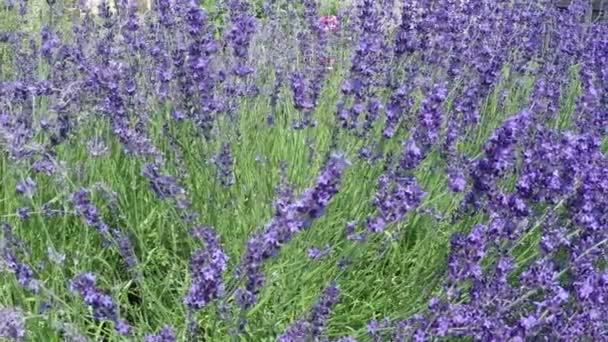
x,y
374,328
291,217
591,115
498,159
367,69
243,26
238,36
307,83
490,293
457,181
50,41
12,324
103,305
46,164
312,326
200,60
207,267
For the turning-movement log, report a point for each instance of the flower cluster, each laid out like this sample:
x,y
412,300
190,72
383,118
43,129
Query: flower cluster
x,y
103,306
207,267
396,196
367,70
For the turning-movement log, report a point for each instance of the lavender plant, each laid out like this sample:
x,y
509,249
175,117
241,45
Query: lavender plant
x,y
461,143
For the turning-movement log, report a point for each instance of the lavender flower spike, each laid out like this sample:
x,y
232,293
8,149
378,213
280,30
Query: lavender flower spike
x,y
225,165
9,260
103,305
311,328
207,267
290,218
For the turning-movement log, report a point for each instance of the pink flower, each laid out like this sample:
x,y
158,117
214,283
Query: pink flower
x,y
329,23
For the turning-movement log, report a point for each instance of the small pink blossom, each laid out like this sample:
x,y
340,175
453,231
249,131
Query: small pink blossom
x,y
329,23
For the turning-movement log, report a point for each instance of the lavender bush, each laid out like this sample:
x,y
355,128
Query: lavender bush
x,y
303,170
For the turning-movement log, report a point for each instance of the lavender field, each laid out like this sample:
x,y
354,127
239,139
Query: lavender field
x,y
303,170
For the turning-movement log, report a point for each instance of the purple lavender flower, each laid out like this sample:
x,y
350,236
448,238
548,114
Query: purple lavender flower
x,y
485,295
27,187
86,209
320,312
11,261
12,324
312,327
308,81
456,181
103,305
46,165
207,267
125,248
302,100
430,117
412,155
499,158
23,272
225,164
366,71
401,101
291,217
297,332
315,253
239,35
165,335
396,196
374,327
50,41
165,187
23,213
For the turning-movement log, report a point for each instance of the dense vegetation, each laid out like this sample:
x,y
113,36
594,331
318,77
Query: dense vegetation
x,y
287,170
